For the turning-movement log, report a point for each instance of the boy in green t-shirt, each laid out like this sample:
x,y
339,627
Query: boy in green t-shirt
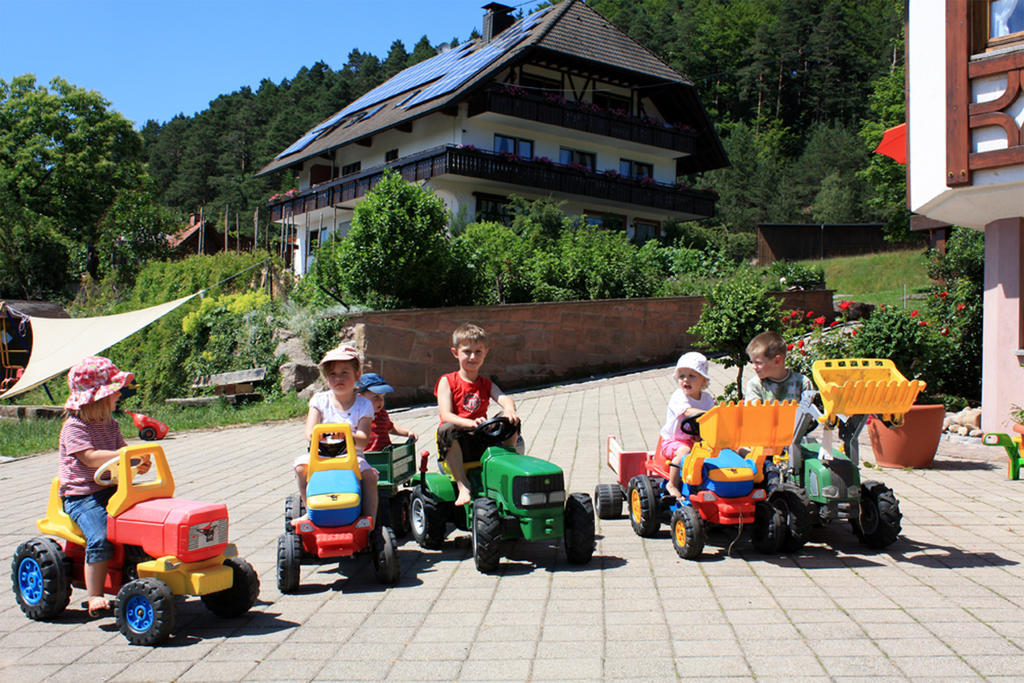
x,y
773,380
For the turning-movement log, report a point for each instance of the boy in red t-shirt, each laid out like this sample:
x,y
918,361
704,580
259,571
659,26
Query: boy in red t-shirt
x,y
462,399
373,387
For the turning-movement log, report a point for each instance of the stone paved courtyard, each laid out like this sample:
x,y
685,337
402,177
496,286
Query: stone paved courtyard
x,y
944,601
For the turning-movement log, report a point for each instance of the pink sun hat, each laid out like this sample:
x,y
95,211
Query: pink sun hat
x,y
93,379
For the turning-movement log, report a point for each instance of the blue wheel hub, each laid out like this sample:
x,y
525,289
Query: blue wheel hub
x,y
138,614
30,581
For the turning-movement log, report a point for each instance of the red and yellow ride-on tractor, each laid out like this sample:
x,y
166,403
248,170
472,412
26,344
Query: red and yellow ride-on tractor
x,y
163,547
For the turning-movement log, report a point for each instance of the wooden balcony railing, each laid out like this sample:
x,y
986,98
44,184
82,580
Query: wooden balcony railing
x,y
587,118
476,163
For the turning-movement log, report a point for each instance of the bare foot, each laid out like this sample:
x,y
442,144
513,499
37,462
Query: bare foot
x,y
464,497
99,606
674,491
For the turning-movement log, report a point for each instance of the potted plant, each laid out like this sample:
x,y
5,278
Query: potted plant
x,y
1017,418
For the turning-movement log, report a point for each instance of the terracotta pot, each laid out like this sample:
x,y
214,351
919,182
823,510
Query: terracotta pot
x,y
912,445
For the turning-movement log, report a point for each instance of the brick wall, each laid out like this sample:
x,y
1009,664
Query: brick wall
x,y
538,343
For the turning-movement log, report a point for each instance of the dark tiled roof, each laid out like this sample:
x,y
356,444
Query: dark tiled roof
x,y
570,28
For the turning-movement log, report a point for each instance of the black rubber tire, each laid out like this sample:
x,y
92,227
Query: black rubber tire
x,y
293,508
796,509
879,524
239,599
608,500
579,528
40,563
427,524
486,535
643,506
687,531
289,562
769,528
399,512
147,434
385,556
138,597
133,554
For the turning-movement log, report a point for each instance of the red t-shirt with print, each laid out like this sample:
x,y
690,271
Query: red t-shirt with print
x,y
469,399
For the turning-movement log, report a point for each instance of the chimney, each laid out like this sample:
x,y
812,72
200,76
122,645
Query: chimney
x,y
498,18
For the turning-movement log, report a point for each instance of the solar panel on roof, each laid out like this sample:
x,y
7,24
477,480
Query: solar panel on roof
x,y
449,69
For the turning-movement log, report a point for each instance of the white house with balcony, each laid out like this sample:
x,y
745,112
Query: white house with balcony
x,y
557,104
965,105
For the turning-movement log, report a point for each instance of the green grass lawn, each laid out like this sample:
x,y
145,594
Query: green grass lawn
x,y
885,278
24,437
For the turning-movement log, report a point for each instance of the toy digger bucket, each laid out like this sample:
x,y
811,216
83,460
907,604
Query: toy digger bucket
x,y
864,386
748,425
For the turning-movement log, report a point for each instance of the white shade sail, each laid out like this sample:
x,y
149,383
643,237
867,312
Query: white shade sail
x,y
59,343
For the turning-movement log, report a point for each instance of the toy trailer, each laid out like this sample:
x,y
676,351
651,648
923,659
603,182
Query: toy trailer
x,y
163,547
334,524
719,485
395,465
822,484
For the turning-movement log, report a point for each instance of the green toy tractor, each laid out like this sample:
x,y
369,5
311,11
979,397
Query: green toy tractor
x,y
514,497
821,484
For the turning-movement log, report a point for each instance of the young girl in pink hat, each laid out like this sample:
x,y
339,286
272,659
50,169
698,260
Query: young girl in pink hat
x,y
89,437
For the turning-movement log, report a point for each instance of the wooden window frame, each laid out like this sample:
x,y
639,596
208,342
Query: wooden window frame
x,y
391,155
349,169
576,154
981,25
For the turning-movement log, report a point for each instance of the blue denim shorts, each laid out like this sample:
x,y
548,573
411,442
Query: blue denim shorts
x,y
89,512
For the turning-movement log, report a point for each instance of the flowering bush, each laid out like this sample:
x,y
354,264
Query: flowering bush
x,y
648,181
555,99
512,89
287,194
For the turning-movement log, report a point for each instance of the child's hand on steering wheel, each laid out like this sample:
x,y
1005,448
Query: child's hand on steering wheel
x,y
145,464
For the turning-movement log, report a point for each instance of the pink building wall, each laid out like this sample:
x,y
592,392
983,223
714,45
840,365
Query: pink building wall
x,y
1002,374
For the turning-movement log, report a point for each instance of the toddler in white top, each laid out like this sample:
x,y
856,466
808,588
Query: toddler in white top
x,y
691,398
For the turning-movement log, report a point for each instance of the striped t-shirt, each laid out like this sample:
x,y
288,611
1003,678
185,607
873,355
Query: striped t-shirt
x,y
77,436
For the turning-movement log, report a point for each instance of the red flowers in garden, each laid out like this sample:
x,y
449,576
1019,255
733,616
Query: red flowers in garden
x,y
845,305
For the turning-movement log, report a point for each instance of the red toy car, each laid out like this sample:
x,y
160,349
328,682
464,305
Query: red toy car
x,y
149,429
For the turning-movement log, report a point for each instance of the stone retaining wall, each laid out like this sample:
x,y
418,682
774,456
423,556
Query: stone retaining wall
x,y
539,343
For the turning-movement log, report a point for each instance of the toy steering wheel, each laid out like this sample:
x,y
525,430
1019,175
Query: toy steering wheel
x,y
497,428
110,468
689,425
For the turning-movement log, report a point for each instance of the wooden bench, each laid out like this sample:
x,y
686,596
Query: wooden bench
x,y
233,387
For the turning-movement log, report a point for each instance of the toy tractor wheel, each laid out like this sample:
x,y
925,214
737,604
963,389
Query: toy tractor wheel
x,y
385,556
146,611
687,532
237,600
38,575
293,508
399,511
579,528
643,506
879,523
609,501
289,562
425,519
147,434
795,506
769,528
486,534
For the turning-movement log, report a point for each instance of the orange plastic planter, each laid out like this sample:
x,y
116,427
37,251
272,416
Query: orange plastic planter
x,y
912,445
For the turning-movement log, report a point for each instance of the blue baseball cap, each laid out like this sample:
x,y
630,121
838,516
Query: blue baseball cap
x,y
371,381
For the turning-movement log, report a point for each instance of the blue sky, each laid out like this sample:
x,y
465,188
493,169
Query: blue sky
x,y
153,59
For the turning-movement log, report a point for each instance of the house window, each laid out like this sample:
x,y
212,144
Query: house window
x,y
314,242
506,144
390,155
612,102
490,207
635,169
538,85
997,24
574,156
608,221
349,169
642,231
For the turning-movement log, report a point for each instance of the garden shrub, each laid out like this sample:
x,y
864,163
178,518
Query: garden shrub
x,y
737,310
496,258
785,275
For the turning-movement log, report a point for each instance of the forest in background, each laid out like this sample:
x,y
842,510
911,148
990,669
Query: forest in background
x,y
800,91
